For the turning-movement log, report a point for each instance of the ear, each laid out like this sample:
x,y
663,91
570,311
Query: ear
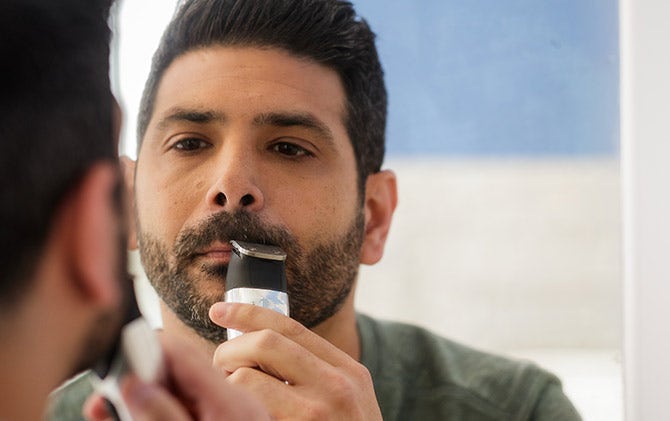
x,y
93,226
381,198
128,168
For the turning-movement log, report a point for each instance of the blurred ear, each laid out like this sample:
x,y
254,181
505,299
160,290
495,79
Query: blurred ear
x,y
128,168
381,198
93,236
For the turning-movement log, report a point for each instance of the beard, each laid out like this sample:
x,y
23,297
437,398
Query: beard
x,y
99,344
319,279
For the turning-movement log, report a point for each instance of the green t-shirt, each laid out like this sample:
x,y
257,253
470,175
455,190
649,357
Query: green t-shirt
x,y
420,376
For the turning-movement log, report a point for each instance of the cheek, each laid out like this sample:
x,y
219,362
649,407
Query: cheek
x,y
163,206
320,212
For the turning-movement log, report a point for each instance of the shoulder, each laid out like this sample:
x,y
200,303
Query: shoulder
x,y
66,402
441,377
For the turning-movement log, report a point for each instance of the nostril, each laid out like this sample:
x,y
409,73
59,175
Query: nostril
x,y
247,200
220,199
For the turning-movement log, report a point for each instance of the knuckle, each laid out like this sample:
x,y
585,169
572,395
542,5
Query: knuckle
x,y
362,374
220,356
268,339
342,390
317,411
243,375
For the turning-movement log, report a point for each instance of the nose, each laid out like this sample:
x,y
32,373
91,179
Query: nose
x,y
245,201
235,186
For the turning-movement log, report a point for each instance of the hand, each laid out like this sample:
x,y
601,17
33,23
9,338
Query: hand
x,y
196,392
296,373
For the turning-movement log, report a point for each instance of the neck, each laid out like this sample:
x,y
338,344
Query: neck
x,y
22,396
340,330
31,363
41,339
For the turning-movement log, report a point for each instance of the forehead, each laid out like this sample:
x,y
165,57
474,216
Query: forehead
x,y
247,81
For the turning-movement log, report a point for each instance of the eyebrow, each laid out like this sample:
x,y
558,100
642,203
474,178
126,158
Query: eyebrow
x,y
278,119
292,119
189,115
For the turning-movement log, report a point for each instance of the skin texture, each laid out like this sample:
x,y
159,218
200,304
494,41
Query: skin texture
x,y
262,132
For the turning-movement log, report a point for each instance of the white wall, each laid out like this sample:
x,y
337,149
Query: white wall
x,y
645,44
140,25
504,254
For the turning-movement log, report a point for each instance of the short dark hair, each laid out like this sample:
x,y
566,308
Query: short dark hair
x,y
326,31
56,120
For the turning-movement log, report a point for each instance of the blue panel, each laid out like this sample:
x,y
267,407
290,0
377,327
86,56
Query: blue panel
x,y
499,77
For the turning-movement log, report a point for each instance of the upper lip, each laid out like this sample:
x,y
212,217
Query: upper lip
x,y
216,247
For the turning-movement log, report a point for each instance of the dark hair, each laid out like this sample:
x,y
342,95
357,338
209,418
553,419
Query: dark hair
x,y
326,31
55,120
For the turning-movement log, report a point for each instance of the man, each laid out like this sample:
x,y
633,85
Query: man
x,y
263,121
64,284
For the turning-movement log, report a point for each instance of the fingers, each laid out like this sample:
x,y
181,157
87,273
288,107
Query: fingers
x,y
332,394
196,391
315,389
145,402
273,354
95,409
206,390
278,398
323,381
249,318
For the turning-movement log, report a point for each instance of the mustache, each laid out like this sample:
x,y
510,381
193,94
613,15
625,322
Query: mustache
x,y
226,226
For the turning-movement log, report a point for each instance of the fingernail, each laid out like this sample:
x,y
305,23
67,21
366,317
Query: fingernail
x,y
218,310
135,392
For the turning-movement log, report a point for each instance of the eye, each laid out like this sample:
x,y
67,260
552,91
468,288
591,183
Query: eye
x,y
291,149
190,144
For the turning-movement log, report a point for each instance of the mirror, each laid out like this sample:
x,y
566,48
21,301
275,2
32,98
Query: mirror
x,y
503,130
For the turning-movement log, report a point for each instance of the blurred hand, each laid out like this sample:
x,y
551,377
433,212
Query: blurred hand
x,y
194,391
295,372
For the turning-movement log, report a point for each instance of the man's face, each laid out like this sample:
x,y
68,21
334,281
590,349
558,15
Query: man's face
x,y
248,144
